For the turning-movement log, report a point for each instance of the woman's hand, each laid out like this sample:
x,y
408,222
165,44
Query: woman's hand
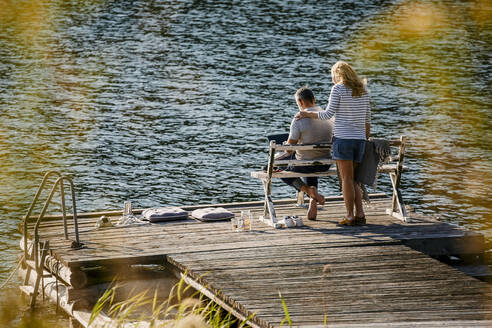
x,y
301,114
304,114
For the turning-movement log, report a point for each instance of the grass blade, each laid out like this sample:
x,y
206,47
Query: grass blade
x,y
286,310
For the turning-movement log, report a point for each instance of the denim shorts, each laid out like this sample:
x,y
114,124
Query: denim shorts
x,y
348,149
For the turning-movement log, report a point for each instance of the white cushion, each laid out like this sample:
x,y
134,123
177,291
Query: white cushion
x,y
168,213
212,214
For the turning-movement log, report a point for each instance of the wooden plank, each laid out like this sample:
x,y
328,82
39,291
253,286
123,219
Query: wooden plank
x,y
92,216
293,288
333,201
237,205
251,321
372,317
191,238
386,168
81,257
325,224
326,146
86,257
408,324
291,148
340,298
352,274
300,162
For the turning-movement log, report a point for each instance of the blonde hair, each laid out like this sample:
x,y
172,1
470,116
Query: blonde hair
x,y
342,72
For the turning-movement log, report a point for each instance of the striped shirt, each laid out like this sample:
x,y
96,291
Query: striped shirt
x,y
351,113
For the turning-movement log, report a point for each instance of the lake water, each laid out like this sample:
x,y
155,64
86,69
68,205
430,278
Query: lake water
x,y
168,102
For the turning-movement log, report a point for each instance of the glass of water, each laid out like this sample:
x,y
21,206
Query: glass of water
x,y
127,208
247,220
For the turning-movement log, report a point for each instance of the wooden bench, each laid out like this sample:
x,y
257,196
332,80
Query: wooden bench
x,y
394,168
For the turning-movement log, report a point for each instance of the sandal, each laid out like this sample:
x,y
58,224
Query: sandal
x,y
347,222
360,221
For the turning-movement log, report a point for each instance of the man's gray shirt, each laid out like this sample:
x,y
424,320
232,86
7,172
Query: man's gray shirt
x,y
309,131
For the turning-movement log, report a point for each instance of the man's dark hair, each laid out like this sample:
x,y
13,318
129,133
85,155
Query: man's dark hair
x,y
305,94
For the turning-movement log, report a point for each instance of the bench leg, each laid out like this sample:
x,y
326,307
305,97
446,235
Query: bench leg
x,y
397,202
269,217
265,205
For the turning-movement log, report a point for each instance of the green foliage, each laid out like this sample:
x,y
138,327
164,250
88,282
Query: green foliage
x,y
181,309
106,298
286,311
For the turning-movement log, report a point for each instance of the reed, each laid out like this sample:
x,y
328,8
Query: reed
x,y
286,311
182,308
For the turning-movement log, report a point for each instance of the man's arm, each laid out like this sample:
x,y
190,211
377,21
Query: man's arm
x,y
292,141
294,136
288,152
368,130
294,133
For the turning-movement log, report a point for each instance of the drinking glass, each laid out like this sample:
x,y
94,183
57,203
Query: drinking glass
x,y
247,218
127,209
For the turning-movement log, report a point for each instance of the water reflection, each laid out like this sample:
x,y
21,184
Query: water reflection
x,y
435,50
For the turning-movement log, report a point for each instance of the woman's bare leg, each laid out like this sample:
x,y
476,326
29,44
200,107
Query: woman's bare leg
x,y
346,168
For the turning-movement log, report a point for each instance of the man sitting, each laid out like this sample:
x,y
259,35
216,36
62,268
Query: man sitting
x,y
309,131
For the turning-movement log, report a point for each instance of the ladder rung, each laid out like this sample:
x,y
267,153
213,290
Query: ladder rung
x,y
32,264
28,290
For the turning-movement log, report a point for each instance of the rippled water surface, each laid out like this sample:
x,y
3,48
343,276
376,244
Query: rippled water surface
x,y
168,102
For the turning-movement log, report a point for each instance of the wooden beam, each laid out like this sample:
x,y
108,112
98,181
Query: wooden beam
x,y
303,147
214,297
300,162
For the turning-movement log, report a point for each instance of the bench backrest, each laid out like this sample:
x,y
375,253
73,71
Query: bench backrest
x,y
397,155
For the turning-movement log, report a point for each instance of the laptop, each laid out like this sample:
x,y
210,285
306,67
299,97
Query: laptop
x,y
278,138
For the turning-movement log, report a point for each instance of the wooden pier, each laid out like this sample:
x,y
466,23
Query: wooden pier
x,y
376,275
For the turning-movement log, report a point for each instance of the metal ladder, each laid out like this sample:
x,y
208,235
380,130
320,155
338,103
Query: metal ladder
x,y
35,260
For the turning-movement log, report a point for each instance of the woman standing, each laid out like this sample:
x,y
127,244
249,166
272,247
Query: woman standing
x,y
349,102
